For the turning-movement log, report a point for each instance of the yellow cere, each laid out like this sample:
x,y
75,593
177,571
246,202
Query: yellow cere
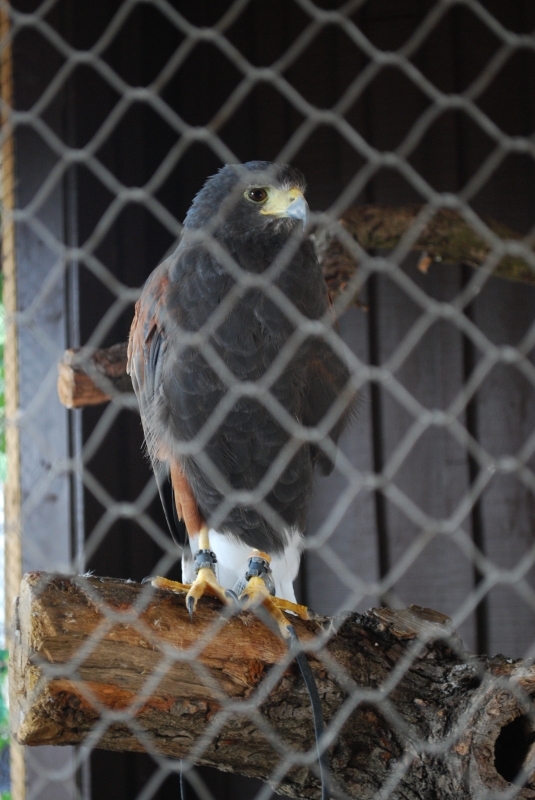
x,y
279,200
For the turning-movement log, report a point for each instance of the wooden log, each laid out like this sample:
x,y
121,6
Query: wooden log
x,y
118,665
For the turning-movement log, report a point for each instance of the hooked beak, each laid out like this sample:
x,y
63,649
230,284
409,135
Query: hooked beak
x,y
286,203
298,209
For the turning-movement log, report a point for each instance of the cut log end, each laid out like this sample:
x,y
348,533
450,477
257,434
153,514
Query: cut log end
x,y
76,389
88,648
91,379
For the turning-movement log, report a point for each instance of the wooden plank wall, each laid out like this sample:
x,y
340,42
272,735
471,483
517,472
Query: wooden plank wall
x,y
374,535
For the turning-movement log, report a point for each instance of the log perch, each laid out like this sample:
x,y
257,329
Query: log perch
x,y
447,238
454,726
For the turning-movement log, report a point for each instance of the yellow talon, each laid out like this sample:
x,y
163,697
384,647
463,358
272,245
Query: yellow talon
x,y
256,593
205,582
170,586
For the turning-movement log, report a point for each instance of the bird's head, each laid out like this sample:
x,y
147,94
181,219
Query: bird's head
x,y
248,198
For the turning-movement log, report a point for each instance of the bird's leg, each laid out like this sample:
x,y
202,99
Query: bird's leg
x,y
260,590
205,582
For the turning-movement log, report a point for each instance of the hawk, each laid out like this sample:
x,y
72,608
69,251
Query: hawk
x,y
239,391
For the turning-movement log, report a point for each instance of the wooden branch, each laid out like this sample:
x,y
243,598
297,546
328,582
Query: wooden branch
x,y
130,646
446,238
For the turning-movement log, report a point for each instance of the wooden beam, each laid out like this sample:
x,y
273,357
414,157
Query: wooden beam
x,y
215,690
13,571
12,493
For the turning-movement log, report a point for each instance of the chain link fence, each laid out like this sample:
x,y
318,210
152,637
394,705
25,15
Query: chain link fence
x,y
57,454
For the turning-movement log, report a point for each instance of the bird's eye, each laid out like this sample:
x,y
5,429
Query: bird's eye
x,y
257,195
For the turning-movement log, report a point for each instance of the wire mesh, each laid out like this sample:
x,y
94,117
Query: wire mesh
x,y
380,378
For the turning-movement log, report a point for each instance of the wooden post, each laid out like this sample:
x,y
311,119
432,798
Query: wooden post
x,y
118,665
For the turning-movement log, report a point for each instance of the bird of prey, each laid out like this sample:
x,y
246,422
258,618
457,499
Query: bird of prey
x,y
240,393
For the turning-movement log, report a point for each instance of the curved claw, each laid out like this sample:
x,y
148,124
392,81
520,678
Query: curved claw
x,y
190,603
231,595
268,607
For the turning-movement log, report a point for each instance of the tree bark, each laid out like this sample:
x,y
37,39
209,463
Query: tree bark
x,y
118,665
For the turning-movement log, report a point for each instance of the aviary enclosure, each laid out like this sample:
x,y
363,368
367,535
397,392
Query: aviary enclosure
x,y
413,122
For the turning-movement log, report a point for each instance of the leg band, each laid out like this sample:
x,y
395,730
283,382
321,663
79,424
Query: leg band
x,y
259,568
204,559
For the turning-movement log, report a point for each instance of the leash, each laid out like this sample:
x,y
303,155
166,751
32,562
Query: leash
x,y
295,648
317,711
182,787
